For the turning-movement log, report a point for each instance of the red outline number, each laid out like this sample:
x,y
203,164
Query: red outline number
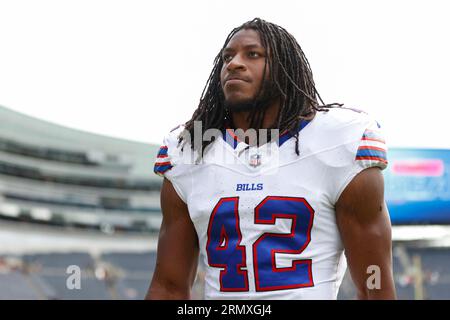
x,y
225,251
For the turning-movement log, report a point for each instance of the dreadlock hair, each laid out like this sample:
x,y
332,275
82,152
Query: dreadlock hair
x,y
289,74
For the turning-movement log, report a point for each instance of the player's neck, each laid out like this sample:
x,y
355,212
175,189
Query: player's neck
x,y
241,119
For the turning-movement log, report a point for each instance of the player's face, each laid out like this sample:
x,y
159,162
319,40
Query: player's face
x,y
243,68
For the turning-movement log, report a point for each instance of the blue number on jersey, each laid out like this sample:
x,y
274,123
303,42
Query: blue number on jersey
x,y
224,250
267,276
223,247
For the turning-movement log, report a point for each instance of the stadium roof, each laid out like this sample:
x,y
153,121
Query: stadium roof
x,y
32,131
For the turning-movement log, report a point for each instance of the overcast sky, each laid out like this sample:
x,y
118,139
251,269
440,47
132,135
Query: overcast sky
x,y
136,69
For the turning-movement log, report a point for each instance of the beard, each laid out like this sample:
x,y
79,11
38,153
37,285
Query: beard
x,y
241,106
260,102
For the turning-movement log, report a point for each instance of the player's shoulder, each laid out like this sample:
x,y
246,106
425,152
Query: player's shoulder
x,y
173,135
345,123
357,134
343,116
339,129
170,153
176,140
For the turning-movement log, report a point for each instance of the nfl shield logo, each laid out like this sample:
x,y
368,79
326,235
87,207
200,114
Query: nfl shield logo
x,y
255,160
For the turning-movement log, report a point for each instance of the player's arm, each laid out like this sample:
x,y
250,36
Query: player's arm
x,y
176,264
365,229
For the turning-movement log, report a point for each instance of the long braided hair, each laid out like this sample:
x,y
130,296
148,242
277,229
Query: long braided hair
x,y
289,74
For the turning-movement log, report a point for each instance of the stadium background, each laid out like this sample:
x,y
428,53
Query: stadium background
x,y
69,197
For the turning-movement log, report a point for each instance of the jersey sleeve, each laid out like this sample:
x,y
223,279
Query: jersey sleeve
x,y
366,148
171,164
162,162
372,150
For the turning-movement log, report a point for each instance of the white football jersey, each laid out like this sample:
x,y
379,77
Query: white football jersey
x,y
265,217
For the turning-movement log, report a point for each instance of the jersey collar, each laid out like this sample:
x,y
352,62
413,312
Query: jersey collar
x,y
232,140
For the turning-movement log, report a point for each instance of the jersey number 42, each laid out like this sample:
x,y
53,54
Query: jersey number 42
x,y
224,249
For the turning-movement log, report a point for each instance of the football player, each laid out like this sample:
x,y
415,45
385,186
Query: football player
x,y
280,216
